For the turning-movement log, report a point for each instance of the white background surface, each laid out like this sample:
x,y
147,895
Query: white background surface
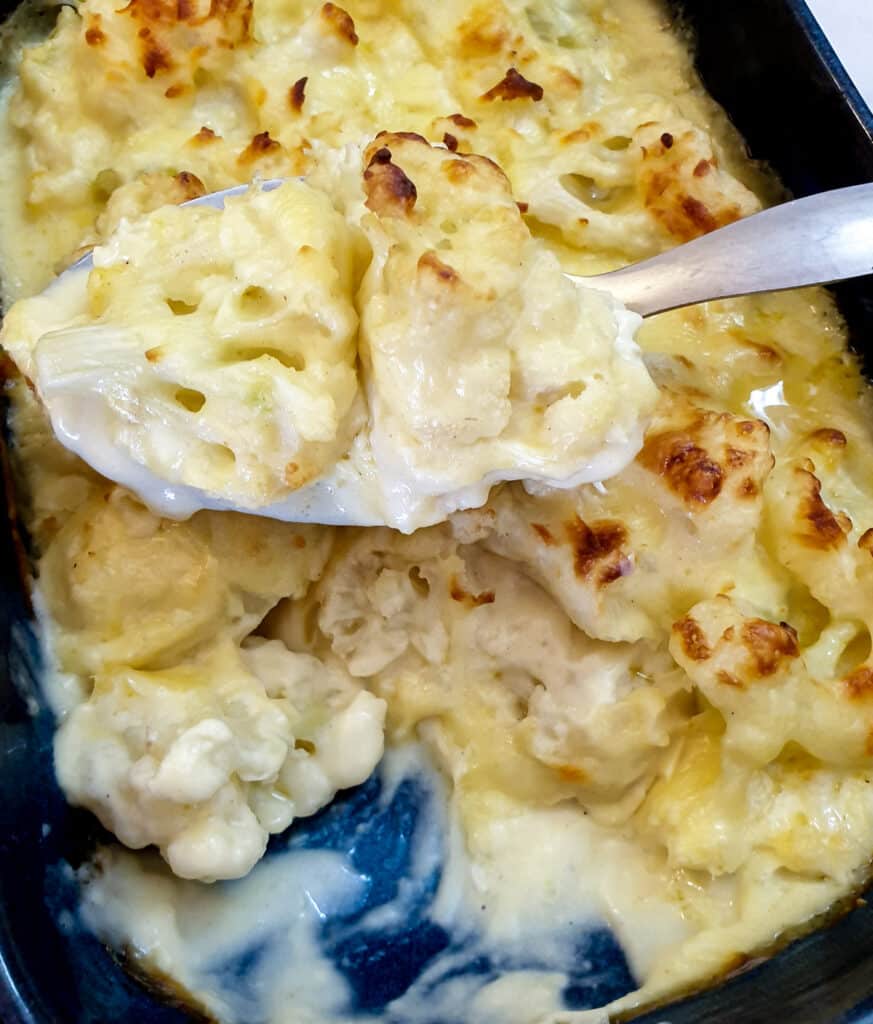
x,y
849,26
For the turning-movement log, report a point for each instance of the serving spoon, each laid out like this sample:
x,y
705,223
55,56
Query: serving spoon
x,y
816,240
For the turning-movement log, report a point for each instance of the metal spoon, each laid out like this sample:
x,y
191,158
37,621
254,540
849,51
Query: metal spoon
x,y
823,238
817,240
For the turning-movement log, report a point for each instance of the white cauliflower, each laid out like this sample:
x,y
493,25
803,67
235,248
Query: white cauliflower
x,y
206,759
679,524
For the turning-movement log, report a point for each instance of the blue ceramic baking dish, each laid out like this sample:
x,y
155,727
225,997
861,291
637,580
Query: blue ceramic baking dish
x,y
769,65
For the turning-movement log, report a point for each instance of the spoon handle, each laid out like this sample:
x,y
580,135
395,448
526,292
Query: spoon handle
x,y
817,240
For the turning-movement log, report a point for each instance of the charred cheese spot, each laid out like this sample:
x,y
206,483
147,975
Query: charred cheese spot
x,y
686,468
297,94
450,142
389,192
697,214
461,121
819,527
462,596
94,34
189,186
154,56
829,437
430,262
865,541
597,549
203,137
692,638
859,684
738,457
514,86
728,679
340,23
682,188
260,146
768,644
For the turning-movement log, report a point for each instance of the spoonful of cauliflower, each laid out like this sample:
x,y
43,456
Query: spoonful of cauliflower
x,y
377,354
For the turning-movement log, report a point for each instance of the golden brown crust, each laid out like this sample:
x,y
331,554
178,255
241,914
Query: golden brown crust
x,y
686,468
340,23
692,638
768,644
158,41
430,262
94,34
260,146
700,455
680,188
817,526
153,55
514,86
189,187
597,549
462,596
829,437
390,193
297,94
203,137
859,684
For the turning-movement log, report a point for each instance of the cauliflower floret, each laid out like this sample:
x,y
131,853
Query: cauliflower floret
x,y
385,595
208,758
223,352
484,363
786,809
820,546
679,524
441,628
223,359
125,587
755,673
663,187
116,72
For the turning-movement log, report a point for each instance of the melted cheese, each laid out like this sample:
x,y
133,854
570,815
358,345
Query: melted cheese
x,y
650,650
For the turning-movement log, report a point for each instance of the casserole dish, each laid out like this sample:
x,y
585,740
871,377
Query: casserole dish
x,y
56,971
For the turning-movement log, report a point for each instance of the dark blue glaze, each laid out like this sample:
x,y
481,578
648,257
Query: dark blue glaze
x,y
767,62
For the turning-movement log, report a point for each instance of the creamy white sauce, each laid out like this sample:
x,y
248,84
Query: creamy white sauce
x,y
517,916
